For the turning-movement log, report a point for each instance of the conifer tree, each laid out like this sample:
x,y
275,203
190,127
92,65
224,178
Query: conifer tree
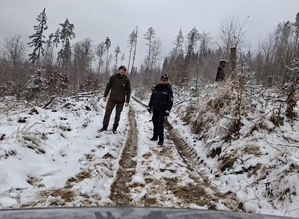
x,y
193,38
54,38
66,33
179,40
37,38
107,46
52,42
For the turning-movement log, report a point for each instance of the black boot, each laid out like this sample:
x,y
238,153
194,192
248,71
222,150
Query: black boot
x,y
154,138
102,129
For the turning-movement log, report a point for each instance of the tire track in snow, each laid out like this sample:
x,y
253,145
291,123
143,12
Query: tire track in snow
x,y
187,153
120,192
173,184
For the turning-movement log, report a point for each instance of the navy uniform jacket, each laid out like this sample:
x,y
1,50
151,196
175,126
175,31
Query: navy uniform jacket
x,y
161,98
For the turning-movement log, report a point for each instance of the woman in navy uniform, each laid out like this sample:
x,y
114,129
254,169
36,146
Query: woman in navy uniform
x,y
160,104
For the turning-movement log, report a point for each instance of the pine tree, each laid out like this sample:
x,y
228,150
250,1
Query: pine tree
x,y
193,38
64,55
37,38
54,38
179,40
107,46
52,42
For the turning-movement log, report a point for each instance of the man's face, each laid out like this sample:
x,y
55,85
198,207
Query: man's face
x,y
163,82
122,72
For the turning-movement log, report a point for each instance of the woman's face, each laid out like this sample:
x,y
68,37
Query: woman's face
x,y
163,82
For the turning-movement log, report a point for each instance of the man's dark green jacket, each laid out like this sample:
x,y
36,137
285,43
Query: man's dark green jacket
x,y
120,88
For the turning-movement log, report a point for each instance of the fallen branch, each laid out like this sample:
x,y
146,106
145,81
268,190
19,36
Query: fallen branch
x,y
52,98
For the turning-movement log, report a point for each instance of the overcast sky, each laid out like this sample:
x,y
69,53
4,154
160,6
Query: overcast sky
x,y
116,19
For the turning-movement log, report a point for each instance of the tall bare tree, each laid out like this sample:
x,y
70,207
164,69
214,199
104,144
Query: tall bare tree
x,y
122,58
275,53
82,61
116,52
100,50
134,52
14,50
284,53
14,54
132,47
150,37
232,34
156,50
83,56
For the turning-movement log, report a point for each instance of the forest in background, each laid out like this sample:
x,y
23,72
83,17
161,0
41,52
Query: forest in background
x,y
58,65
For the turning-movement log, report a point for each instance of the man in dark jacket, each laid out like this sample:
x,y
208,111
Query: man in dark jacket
x,y
160,104
119,85
221,70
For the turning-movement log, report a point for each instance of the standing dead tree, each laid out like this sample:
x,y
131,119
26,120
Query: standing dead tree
x,y
132,48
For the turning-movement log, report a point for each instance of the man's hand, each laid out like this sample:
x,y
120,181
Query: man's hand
x,y
105,99
126,104
149,109
167,113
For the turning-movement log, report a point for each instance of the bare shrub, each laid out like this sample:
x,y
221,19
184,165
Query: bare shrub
x,y
90,83
216,112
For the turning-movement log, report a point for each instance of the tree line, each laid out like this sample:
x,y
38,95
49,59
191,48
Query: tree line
x,y
57,65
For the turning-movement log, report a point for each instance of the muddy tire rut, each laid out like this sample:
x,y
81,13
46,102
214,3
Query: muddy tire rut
x,y
120,192
173,188
170,173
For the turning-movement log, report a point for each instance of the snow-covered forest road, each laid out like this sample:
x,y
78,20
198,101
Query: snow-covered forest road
x,y
53,156
129,168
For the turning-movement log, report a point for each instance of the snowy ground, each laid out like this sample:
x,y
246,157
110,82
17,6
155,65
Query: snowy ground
x,y
55,157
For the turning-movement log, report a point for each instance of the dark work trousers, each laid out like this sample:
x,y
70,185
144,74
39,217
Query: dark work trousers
x,y
158,121
109,108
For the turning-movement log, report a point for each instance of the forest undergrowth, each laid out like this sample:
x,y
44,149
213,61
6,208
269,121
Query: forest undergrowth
x,y
250,133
